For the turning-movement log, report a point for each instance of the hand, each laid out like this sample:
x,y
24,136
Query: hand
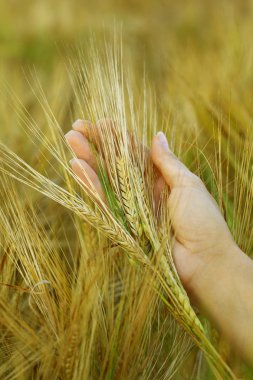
x,y
215,272
201,233
212,268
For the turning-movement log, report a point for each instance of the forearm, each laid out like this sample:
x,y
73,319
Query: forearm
x,y
225,293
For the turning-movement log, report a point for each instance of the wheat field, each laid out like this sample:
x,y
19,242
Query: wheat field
x,y
88,288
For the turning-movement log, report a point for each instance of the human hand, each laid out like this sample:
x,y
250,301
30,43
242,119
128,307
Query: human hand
x,y
201,233
202,237
212,268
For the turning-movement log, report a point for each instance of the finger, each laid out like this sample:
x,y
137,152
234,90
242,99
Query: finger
x,y
158,188
81,147
91,131
173,171
106,128
83,126
88,176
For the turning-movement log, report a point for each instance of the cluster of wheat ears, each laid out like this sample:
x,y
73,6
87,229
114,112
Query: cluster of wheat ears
x,y
100,297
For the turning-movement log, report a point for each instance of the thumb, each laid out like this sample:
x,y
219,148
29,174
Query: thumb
x,y
173,171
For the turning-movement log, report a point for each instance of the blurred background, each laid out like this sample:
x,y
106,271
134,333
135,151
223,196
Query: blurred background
x,y
193,39
188,48
192,52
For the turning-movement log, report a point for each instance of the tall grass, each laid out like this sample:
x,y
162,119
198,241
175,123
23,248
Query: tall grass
x,y
127,218
89,290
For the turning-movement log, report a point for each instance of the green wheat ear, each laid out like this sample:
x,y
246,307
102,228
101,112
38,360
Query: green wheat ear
x,y
109,193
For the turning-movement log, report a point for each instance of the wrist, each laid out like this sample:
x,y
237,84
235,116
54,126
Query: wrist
x,y
223,291
214,268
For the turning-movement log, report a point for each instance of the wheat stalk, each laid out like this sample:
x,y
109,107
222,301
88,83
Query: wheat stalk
x,y
128,199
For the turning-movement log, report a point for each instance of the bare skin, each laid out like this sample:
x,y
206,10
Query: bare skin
x,y
217,275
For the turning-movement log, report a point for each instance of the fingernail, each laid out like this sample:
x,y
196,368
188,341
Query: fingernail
x,y
163,140
71,161
81,125
69,133
78,124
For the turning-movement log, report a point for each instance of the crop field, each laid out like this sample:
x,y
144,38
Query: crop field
x,y
88,285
